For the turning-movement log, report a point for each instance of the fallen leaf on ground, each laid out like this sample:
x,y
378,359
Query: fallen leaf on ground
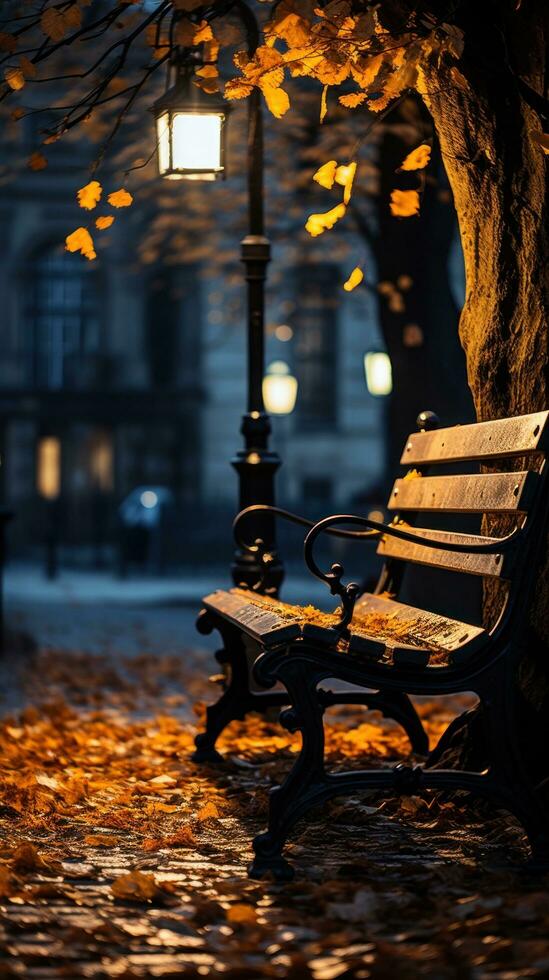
x,y
240,914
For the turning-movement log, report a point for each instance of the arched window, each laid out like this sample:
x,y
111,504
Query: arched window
x,y
64,317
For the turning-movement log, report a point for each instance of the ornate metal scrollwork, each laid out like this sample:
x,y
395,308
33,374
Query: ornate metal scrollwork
x,y
376,529
258,549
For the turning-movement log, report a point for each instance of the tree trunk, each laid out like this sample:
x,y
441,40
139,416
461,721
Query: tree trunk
x,y
484,110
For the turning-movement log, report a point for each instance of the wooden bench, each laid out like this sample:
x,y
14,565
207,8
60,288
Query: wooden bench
x,y
396,649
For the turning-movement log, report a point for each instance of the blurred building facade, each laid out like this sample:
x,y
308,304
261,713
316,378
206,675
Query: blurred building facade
x,y
116,375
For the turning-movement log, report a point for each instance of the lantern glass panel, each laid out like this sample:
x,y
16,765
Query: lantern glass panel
x,y
279,389
196,142
378,371
163,138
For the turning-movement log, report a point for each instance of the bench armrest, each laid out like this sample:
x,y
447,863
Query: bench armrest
x,y
349,593
258,547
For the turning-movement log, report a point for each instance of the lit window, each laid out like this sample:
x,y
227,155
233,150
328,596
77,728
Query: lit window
x,y
48,467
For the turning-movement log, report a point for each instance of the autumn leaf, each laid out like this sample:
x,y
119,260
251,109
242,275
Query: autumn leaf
x,y
208,812
101,840
120,199
203,33
28,68
37,161
277,100
289,25
136,886
332,72
72,17
325,175
237,88
353,100
242,915
14,78
43,779
404,204
89,196
104,222
7,42
53,24
208,79
26,858
319,223
183,838
345,175
81,241
154,808
265,70
354,280
366,69
418,158
324,104
542,139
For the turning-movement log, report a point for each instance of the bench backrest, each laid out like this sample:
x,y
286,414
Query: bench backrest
x,y
513,493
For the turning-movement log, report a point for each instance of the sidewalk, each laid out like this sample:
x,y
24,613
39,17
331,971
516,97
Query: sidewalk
x,y
27,583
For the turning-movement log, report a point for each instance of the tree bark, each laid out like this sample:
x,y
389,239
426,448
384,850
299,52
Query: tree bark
x,y
484,110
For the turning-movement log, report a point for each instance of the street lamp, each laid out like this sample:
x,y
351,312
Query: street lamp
x,y
378,372
190,131
180,114
279,389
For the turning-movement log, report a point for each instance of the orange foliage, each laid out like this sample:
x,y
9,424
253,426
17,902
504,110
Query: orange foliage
x,y
354,280
120,199
81,241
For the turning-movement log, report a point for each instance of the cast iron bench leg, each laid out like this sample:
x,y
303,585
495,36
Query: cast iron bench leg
x,y
391,704
290,800
237,699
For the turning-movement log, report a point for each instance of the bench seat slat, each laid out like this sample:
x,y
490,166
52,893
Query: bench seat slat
x,y
498,493
496,565
262,624
429,628
501,439
379,624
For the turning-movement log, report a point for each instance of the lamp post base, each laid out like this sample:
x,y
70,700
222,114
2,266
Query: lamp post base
x,y
256,466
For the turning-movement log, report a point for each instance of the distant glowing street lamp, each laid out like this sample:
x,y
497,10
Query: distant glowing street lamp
x,y
191,130
378,373
279,389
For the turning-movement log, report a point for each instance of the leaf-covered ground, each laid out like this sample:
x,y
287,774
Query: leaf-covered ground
x,y
120,858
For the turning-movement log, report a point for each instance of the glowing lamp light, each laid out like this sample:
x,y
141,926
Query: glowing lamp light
x,y
378,372
279,389
148,499
190,132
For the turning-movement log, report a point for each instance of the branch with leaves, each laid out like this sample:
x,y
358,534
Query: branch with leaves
x,y
367,54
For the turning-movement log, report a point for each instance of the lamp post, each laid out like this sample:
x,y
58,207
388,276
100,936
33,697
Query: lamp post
x,y
191,145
